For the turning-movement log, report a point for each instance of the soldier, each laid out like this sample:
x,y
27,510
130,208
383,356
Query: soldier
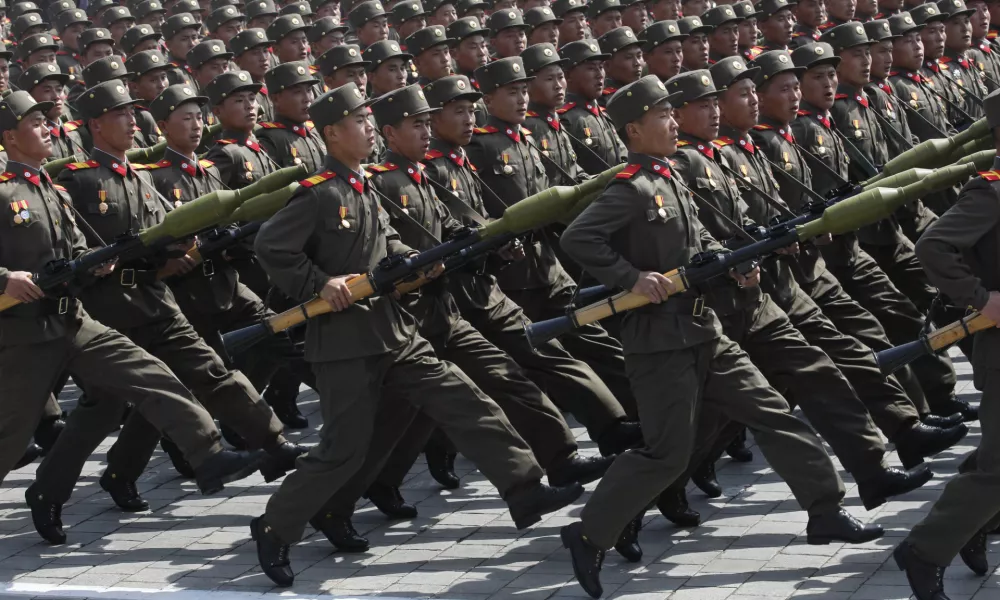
x,y
470,51
594,139
180,34
301,8
625,64
99,71
97,9
777,24
95,44
662,49
326,8
291,139
441,12
36,49
544,26
114,197
635,15
152,13
27,24
547,93
982,53
238,154
508,33
324,34
926,111
118,20
252,53
288,36
191,7
962,71
260,14
574,20
935,74
645,220
749,32
724,40
695,45
810,15
839,12
407,17
865,10
139,39
369,22
431,56
45,84
665,10
604,15
373,342
224,23
385,63
149,78
67,337
472,8
69,25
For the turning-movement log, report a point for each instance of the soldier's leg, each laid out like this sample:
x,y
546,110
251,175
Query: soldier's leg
x,y
407,451
901,266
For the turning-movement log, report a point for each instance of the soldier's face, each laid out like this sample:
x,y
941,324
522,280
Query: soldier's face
x,y
980,20
695,8
509,103
293,103
42,56
510,42
115,128
655,133
31,139
472,53
665,9
908,51
725,39
454,122
389,76
4,75
445,15
573,27
695,48
933,37
181,44
71,34
254,61
145,45
842,9
149,86
261,22
154,20
699,118
994,10
636,16
344,75
183,128
353,137
373,31
50,91
548,87
228,30
665,60
547,33
118,28
625,65
330,9
587,79
293,47
435,62
779,98
606,21
411,137
738,106
881,59
406,28
97,51
778,27
210,70
819,86
811,13
855,66
958,33
238,112
749,32
865,8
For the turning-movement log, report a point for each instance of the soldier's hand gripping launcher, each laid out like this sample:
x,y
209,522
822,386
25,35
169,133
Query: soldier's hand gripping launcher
x,y
844,216
535,211
196,216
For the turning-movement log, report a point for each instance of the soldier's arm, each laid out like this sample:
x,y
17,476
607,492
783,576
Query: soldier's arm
x,y
393,243
941,248
281,248
588,238
480,155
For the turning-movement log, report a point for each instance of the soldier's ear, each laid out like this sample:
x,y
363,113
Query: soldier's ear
x,y
162,125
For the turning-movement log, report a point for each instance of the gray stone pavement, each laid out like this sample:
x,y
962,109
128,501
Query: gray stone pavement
x,y
463,545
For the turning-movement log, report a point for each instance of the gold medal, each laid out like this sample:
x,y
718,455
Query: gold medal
x,y
17,219
102,207
507,169
913,103
662,211
344,223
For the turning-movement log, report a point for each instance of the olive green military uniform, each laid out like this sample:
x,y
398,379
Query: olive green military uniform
x,y
179,71
512,169
985,58
110,68
941,85
644,221
114,198
141,64
371,351
584,121
288,142
969,501
349,55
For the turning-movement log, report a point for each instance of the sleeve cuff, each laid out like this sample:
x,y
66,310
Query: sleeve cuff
x,y
628,280
980,298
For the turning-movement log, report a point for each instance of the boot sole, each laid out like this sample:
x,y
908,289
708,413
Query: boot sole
x,y
525,521
877,501
215,486
253,536
823,540
576,573
124,508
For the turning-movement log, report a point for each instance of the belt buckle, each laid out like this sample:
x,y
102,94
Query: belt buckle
x,y
699,307
128,278
63,305
207,268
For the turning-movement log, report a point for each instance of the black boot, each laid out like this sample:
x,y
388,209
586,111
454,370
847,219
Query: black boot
x,y
31,454
284,404
46,516
628,542
528,504
387,499
48,431
280,460
673,505
954,405
706,480
973,554
441,463
181,465
924,440
840,526
943,422
225,467
232,438
272,554
926,579
341,533
892,482
587,558
123,492
737,449
578,469
620,437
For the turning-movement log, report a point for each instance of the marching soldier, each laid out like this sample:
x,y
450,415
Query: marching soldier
x,y
646,221
118,20
180,35
695,44
635,15
934,72
508,33
662,49
574,20
151,13
260,14
370,353
149,69
288,37
407,17
593,135
748,12
957,47
385,62
140,38
724,40
69,25
252,53
324,34
544,26
546,93
776,23
625,64
470,52
291,139
99,71
45,83
810,15
224,23
604,15
839,12
238,154
982,52
431,57
441,12
370,23
472,8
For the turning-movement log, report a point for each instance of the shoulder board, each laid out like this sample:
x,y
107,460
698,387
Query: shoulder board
x,y
945,66
628,172
310,124
530,113
316,179
432,154
206,163
992,35
762,127
271,125
609,90
7,176
723,141
141,167
987,175
487,129
525,131
313,69
803,113
90,164
757,50
682,143
72,125
383,168
162,163
224,142
566,107
59,187
841,96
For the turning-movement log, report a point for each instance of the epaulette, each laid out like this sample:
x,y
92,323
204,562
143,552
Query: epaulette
x,y
757,50
608,91
59,187
271,125
841,96
530,113
526,131
224,142
317,179
7,176
72,125
432,154
565,108
140,167
723,141
945,66
992,34
990,175
310,124
487,129
763,127
206,163
628,172
383,168
161,165
682,143
90,164
313,69
826,26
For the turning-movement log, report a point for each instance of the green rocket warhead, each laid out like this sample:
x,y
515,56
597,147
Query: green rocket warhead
x,y
932,153
876,204
263,206
982,159
547,206
214,208
154,153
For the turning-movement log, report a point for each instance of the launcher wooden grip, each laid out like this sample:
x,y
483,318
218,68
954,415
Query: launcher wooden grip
x,y
952,333
361,287
7,302
623,302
